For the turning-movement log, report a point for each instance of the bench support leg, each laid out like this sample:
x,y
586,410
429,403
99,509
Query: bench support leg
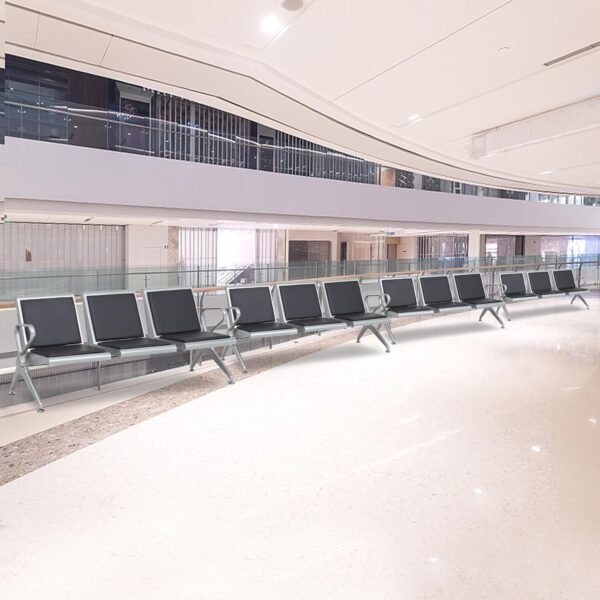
x,y
21,371
220,364
379,337
238,354
487,309
575,296
362,332
503,307
375,332
98,380
195,360
388,328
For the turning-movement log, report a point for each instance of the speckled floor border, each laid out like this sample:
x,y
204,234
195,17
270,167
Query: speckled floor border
x,y
32,452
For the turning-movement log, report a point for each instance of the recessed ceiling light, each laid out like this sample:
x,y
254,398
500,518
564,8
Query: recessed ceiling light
x,y
592,420
433,559
478,491
546,172
536,449
270,24
414,118
292,4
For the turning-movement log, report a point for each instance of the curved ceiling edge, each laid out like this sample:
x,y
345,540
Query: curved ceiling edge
x,y
238,92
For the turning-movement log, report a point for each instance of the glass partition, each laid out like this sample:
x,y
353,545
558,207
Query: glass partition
x,y
19,283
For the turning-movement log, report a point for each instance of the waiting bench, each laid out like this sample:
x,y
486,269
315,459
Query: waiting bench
x,y
173,318
255,315
48,333
345,301
533,285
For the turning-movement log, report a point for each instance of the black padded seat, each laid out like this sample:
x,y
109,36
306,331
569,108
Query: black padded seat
x,y
316,322
70,350
550,293
187,337
565,282
448,305
134,343
116,347
55,320
268,328
362,316
574,289
402,310
518,295
480,301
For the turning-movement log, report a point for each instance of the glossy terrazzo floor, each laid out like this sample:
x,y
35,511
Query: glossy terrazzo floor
x,y
463,465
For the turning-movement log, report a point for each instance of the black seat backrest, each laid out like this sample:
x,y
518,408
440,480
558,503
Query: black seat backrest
x,y
173,311
255,304
469,286
54,319
514,282
436,289
540,281
115,316
344,297
401,291
564,279
300,301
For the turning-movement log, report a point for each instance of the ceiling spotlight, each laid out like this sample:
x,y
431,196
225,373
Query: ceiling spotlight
x,y
546,172
414,118
292,4
536,449
270,24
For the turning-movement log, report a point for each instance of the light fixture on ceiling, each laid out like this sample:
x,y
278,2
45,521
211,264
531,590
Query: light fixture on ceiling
x,y
414,118
270,24
292,5
572,54
551,125
546,172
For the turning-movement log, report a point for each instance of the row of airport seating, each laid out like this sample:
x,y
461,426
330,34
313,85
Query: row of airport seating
x,y
49,333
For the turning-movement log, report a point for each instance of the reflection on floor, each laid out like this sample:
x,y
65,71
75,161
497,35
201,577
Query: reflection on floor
x,y
463,465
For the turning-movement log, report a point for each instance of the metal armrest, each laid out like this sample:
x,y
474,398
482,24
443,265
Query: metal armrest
x,y
21,338
234,314
382,301
202,311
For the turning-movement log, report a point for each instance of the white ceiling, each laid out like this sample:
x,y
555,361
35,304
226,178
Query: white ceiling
x,y
372,65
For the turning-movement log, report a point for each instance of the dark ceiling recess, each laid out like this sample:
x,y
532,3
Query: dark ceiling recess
x,y
577,52
292,4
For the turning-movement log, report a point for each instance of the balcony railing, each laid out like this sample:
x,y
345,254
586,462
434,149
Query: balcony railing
x,y
33,116
15,284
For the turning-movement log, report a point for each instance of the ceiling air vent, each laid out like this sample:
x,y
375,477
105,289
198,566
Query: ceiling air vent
x,y
582,50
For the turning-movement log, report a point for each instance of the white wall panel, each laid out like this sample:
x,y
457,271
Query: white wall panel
x,y
37,171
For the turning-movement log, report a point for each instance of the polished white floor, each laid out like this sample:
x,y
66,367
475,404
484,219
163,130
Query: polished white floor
x,y
463,465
